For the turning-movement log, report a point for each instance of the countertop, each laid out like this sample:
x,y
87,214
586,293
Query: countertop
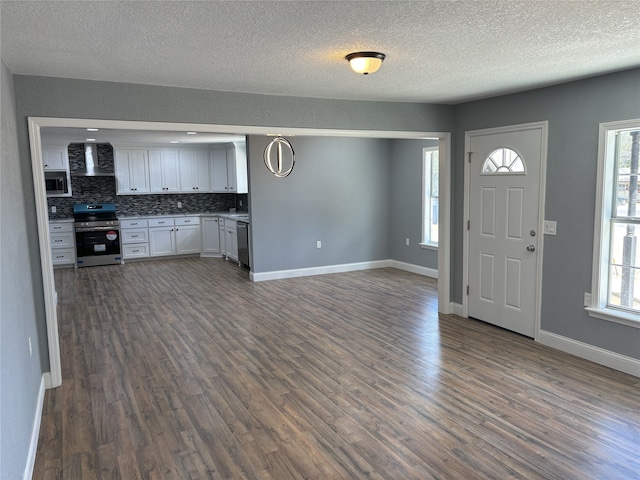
x,y
243,216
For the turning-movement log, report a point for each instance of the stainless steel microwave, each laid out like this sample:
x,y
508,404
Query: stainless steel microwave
x,y
57,183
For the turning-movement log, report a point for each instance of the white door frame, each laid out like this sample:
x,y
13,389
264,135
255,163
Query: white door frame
x,y
544,127
54,377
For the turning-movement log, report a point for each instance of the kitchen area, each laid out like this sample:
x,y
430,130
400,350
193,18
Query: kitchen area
x,y
122,196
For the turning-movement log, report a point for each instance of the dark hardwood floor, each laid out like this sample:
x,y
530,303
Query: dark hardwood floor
x,y
184,369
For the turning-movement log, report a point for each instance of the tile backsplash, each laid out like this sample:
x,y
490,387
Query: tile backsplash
x,y
103,190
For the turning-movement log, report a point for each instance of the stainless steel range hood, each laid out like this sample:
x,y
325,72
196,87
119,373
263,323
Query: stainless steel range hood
x,y
91,162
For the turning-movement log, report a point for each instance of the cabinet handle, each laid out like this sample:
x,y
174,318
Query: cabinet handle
x,y
59,256
134,236
136,250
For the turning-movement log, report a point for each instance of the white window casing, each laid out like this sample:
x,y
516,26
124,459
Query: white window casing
x,y
605,186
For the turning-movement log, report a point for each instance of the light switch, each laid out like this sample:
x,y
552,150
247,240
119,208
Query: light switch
x,y
550,227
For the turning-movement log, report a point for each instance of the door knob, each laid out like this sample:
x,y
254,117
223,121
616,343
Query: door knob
x,y
531,248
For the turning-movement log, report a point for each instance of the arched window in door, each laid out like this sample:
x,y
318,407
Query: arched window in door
x,y
503,160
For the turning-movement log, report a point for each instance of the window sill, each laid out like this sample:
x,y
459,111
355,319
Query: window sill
x,y
616,316
429,246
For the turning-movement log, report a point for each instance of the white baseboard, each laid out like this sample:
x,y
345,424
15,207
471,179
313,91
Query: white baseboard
x,y
305,272
35,432
589,352
408,267
347,267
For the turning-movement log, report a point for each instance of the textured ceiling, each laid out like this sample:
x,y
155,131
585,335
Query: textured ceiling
x,y
437,51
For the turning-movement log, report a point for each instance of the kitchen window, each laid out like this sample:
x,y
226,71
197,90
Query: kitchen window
x,y
430,179
615,291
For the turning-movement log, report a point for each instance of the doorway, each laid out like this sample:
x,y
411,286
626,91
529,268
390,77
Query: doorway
x,y
504,202
54,377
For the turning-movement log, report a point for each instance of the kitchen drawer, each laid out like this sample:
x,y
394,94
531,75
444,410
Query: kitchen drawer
x,y
63,256
160,222
134,236
137,223
135,250
188,221
61,227
62,240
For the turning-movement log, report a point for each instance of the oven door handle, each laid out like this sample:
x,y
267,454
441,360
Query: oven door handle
x,y
96,229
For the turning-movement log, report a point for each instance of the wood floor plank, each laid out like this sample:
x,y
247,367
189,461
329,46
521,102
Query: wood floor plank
x,y
184,369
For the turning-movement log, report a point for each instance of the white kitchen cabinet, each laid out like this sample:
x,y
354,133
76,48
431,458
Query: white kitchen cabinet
x,y
195,176
164,172
55,158
135,238
231,239
188,239
210,237
63,243
162,241
132,171
223,240
237,169
174,236
188,235
218,165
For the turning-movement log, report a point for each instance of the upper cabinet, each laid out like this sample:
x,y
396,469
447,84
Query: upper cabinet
x,y
195,175
164,173
132,171
223,169
237,168
55,158
219,182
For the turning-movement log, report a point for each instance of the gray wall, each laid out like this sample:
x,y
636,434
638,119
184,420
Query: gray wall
x,y
574,111
337,193
405,203
67,98
20,374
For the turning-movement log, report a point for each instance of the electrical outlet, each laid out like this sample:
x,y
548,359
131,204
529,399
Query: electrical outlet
x,y
318,244
240,201
550,227
179,204
53,209
587,299
406,242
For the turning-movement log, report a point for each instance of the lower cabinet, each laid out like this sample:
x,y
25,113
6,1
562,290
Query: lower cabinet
x,y
135,238
174,236
63,243
210,237
168,236
188,239
162,241
231,239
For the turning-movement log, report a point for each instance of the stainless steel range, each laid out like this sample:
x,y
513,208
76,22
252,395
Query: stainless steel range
x,y
97,234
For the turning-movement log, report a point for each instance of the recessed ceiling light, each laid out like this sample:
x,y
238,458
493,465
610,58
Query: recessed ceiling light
x,y
89,139
174,141
192,133
92,129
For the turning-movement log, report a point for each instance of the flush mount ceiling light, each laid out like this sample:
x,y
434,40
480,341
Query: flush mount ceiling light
x,y
365,62
284,163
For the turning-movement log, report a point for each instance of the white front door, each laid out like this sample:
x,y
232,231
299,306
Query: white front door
x,y
504,240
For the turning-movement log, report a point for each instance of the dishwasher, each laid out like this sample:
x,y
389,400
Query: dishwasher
x,y
243,243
